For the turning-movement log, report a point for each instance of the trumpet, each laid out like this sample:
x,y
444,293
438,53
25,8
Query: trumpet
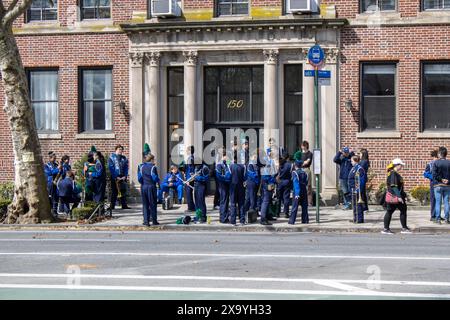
x,y
119,193
58,176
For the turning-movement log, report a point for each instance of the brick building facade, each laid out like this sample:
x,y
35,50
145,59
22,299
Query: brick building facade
x,y
142,53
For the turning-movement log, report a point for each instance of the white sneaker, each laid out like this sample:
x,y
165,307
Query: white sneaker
x,y
406,231
387,231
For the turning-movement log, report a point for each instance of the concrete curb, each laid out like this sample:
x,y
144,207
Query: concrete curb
x,y
218,228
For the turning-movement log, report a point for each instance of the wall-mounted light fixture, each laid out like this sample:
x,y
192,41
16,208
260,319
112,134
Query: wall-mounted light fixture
x,y
348,105
122,106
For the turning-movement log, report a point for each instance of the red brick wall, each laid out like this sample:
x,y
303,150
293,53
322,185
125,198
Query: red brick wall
x,y
68,52
409,46
197,4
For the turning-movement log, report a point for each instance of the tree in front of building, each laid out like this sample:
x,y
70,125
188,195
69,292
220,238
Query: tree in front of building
x,y
30,203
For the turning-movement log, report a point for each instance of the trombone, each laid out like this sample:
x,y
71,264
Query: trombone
x,y
358,186
119,192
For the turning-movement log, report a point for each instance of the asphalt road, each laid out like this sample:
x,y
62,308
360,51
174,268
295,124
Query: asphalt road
x,y
212,265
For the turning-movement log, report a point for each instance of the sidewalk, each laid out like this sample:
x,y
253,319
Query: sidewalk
x,y
331,220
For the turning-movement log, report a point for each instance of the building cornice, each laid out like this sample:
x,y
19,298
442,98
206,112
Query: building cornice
x,y
231,25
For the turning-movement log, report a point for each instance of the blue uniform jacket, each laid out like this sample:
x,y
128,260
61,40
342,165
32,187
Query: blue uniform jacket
x,y
68,188
428,173
147,174
223,172
352,178
284,173
190,167
365,164
176,179
252,173
118,166
203,177
99,170
441,170
51,171
65,168
345,163
237,173
300,182
267,174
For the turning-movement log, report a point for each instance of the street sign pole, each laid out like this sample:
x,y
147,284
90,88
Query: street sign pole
x,y
316,136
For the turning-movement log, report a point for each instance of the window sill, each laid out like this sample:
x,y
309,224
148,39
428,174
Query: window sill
x,y
41,24
95,136
94,23
379,135
433,135
49,136
232,18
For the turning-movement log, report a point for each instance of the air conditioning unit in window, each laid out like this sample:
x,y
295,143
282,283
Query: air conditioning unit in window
x,y
165,8
302,6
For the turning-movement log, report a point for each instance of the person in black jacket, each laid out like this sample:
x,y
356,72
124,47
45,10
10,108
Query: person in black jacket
x,y
395,186
441,181
365,164
343,159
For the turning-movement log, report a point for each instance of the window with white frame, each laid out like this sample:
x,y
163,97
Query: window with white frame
x,y
436,96
43,85
95,9
435,4
378,5
378,96
232,7
96,99
42,10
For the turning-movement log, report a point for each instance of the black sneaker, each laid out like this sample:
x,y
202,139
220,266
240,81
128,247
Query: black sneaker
x,y
287,215
155,223
243,224
447,221
146,224
437,221
125,207
266,223
387,231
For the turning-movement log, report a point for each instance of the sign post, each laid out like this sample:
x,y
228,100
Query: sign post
x,y
316,57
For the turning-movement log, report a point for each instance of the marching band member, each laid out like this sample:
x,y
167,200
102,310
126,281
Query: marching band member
x,y
190,170
200,183
52,170
223,176
148,178
284,182
99,178
65,166
88,169
173,179
118,167
357,184
268,174
237,192
251,184
69,192
300,183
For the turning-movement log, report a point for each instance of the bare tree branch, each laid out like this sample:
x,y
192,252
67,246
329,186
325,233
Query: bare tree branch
x,y
12,14
2,8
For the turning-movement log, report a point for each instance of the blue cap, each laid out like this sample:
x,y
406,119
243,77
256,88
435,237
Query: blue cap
x,y
268,150
346,150
298,163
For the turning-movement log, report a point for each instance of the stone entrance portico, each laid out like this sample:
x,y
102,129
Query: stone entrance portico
x,y
154,47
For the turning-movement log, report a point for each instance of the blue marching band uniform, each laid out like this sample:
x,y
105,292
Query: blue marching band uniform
x,y
51,172
223,178
190,171
200,183
300,184
268,174
357,179
172,181
148,178
118,167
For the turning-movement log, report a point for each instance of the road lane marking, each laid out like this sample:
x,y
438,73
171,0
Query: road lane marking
x,y
230,290
340,286
228,255
71,240
213,278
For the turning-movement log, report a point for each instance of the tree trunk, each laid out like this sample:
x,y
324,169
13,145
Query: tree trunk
x,y
31,202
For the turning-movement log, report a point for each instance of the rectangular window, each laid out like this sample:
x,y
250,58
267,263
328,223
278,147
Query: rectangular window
x,y
436,96
435,4
232,7
95,9
175,104
42,10
234,94
44,98
378,97
96,99
293,106
378,5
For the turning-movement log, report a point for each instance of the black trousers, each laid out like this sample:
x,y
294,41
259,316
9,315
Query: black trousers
x,y
391,209
114,193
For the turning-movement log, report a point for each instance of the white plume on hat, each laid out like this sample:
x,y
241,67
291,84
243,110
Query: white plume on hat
x,y
398,161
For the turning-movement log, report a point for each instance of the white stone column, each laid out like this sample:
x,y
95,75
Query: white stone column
x,y
271,115
190,95
328,126
136,115
308,105
153,108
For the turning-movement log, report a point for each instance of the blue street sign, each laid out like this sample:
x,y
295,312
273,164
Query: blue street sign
x,y
316,55
309,73
324,74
